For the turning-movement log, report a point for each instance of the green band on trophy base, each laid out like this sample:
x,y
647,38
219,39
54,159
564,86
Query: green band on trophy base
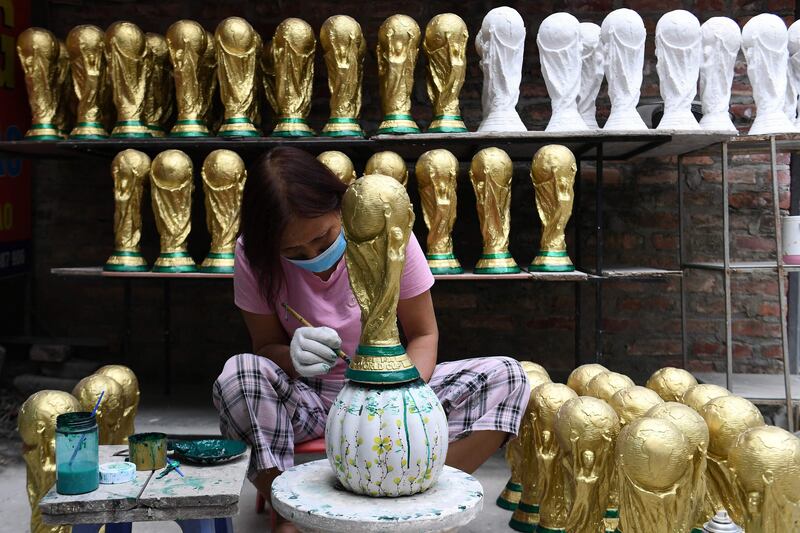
x,y
124,268
189,128
43,132
218,263
292,127
379,362
174,262
343,133
380,351
505,504
126,261
447,124
156,130
497,270
541,529
238,127
552,261
444,264
398,123
551,268
130,129
531,512
394,376
509,498
496,263
697,530
342,127
84,131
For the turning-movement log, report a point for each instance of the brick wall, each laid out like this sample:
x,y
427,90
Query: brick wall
x,y
535,321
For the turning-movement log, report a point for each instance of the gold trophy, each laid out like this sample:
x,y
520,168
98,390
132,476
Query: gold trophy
x,y
445,46
237,45
188,45
398,46
39,52
111,408
699,395
65,111
338,163
158,102
727,417
553,497
344,47
130,170
606,384
437,173
130,399
86,47
126,55
288,70
553,174
224,175
380,356
490,174
633,403
695,430
171,193
655,477
581,376
521,459
671,383
766,466
389,164
587,430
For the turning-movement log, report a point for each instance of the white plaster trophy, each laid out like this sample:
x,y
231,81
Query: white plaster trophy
x,y
678,54
592,65
559,42
765,45
722,40
793,86
500,44
622,35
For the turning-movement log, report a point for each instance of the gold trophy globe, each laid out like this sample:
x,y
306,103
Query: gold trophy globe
x,y
490,173
158,102
581,376
388,164
126,55
38,51
344,48
237,46
632,403
553,174
224,175
699,395
437,173
188,46
130,398
130,170
397,50
445,46
111,408
171,193
86,48
606,384
338,163
671,383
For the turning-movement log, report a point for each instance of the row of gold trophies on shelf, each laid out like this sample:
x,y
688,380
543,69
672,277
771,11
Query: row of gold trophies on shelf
x,y
601,454
37,426
171,177
150,78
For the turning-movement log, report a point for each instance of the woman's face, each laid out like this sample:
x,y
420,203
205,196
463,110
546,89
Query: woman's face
x,y
306,238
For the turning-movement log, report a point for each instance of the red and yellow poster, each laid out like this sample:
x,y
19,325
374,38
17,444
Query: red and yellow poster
x,y
15,173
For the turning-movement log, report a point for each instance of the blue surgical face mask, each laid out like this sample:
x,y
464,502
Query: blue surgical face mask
x,y
326,259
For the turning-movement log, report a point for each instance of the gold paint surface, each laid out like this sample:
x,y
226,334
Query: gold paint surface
x,y
437,178
86,49
445,46
36,423
397,49
130,170
490,173
606,384
130,398
126,55
159,97
111,408
582,375
344,49
171,194
38,51
553,174
67,100
671,383
224,175
237,46
193,58
632,403
338,163
389,164
699,395
289,70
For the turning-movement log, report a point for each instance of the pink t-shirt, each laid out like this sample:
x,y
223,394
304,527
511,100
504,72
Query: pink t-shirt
x,y
323,303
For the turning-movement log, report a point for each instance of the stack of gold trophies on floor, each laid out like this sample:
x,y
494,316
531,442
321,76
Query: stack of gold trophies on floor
x,y
37,426
602,455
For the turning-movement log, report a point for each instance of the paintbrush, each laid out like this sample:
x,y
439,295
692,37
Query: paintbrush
x,y
307,324
83,437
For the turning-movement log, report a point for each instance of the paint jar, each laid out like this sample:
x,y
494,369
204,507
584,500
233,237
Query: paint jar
x,y
148,451
77,449
791,239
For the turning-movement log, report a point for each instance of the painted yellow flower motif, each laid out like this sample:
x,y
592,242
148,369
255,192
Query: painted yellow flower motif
x,y
398,423
396,481
389,468
359,441
382,445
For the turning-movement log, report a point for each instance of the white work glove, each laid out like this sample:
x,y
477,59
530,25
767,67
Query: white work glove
x,y
313,350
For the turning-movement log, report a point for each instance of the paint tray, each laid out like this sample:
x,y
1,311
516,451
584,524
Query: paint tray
x,y
207,451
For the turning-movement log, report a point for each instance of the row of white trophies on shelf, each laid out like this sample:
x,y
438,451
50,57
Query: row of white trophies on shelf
x,y
575,57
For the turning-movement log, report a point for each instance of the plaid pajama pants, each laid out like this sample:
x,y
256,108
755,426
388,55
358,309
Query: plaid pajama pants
x,y
259,404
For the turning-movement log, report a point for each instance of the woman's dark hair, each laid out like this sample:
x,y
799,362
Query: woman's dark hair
x,y
282,184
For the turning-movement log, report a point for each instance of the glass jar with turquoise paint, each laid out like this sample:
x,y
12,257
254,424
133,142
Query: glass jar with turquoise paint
x,y
77,450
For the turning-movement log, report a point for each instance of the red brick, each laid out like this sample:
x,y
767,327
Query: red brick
x,y
706,348
754,328
769,309
665,242
742,351
748,199
698,160
772,351
654,347
751,242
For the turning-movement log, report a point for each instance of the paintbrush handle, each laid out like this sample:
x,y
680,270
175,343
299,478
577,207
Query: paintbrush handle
x,y
307,324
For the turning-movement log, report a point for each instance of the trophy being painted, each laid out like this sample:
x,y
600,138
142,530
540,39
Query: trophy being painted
x,y
397,49
158,102
344,48
130,399
622,35
86,48
559,42
793,84
237,47
188,46
727,417
592,73
338,163
126,55
224,175
38,52
389,164
553,174
130,170
490,174
580,377
67,101
437,173
655,477
385,419
500,44
445,46
671,383
111,408
722,39
587,430
289,75
36,423
766,467
171,192
679,50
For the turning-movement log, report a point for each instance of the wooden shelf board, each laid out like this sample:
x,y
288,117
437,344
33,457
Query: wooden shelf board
x,y
636,273
755,387
742,266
